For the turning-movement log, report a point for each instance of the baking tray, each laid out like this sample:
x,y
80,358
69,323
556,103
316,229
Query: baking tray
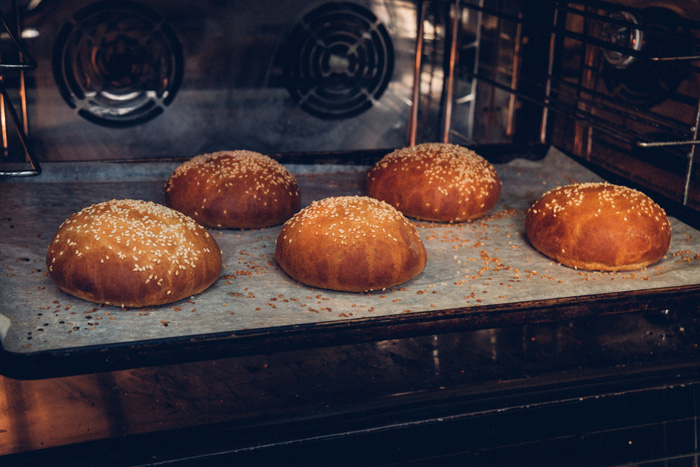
x,y
479,274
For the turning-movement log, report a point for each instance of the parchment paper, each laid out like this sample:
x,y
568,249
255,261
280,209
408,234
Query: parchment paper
x,y
487,261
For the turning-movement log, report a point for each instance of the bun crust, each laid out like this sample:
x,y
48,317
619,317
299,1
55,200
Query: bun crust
x,y
233,189
599,226
350,243
132,253
436,182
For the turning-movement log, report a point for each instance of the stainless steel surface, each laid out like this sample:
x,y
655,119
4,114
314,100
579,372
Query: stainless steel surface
x,y
164,79
417,70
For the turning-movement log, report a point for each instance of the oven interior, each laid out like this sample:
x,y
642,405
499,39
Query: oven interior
x,y
612,84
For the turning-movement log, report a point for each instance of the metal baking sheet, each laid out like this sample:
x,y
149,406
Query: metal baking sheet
x,y
471,266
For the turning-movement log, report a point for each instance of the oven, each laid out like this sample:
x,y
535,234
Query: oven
x,y
493,355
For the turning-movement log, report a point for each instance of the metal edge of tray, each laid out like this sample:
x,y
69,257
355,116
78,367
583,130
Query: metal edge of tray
x,y
212,346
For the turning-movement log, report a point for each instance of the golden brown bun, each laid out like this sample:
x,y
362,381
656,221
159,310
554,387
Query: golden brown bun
x,y
132,253
599,226
350,243
233,189
436,182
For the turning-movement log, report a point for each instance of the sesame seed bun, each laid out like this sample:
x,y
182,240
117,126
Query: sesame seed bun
x,y
233,189
599,226
436,182
350,243
132,253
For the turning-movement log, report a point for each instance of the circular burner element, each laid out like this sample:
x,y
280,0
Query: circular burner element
x,y
339,60
118,64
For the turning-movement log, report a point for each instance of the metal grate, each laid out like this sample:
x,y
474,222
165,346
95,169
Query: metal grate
x,y
338,60
617,85
13,62
117,64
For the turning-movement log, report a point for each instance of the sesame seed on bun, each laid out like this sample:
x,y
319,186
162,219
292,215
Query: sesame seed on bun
x,y
132,253
350,243
233,189
436,182
599,226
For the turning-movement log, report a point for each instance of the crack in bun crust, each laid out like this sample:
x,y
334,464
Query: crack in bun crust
x,y
132,253
599,226
351,244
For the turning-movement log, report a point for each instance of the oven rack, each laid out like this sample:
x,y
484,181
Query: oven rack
x,y
555,90
20,61
573,91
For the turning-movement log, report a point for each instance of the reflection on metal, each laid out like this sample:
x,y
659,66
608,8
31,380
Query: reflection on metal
x,y
339,60
24,61
117,64
623,34
415,104
450,78
351,83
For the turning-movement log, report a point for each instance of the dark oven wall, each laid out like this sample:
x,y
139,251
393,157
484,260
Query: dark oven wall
x,y
162,79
